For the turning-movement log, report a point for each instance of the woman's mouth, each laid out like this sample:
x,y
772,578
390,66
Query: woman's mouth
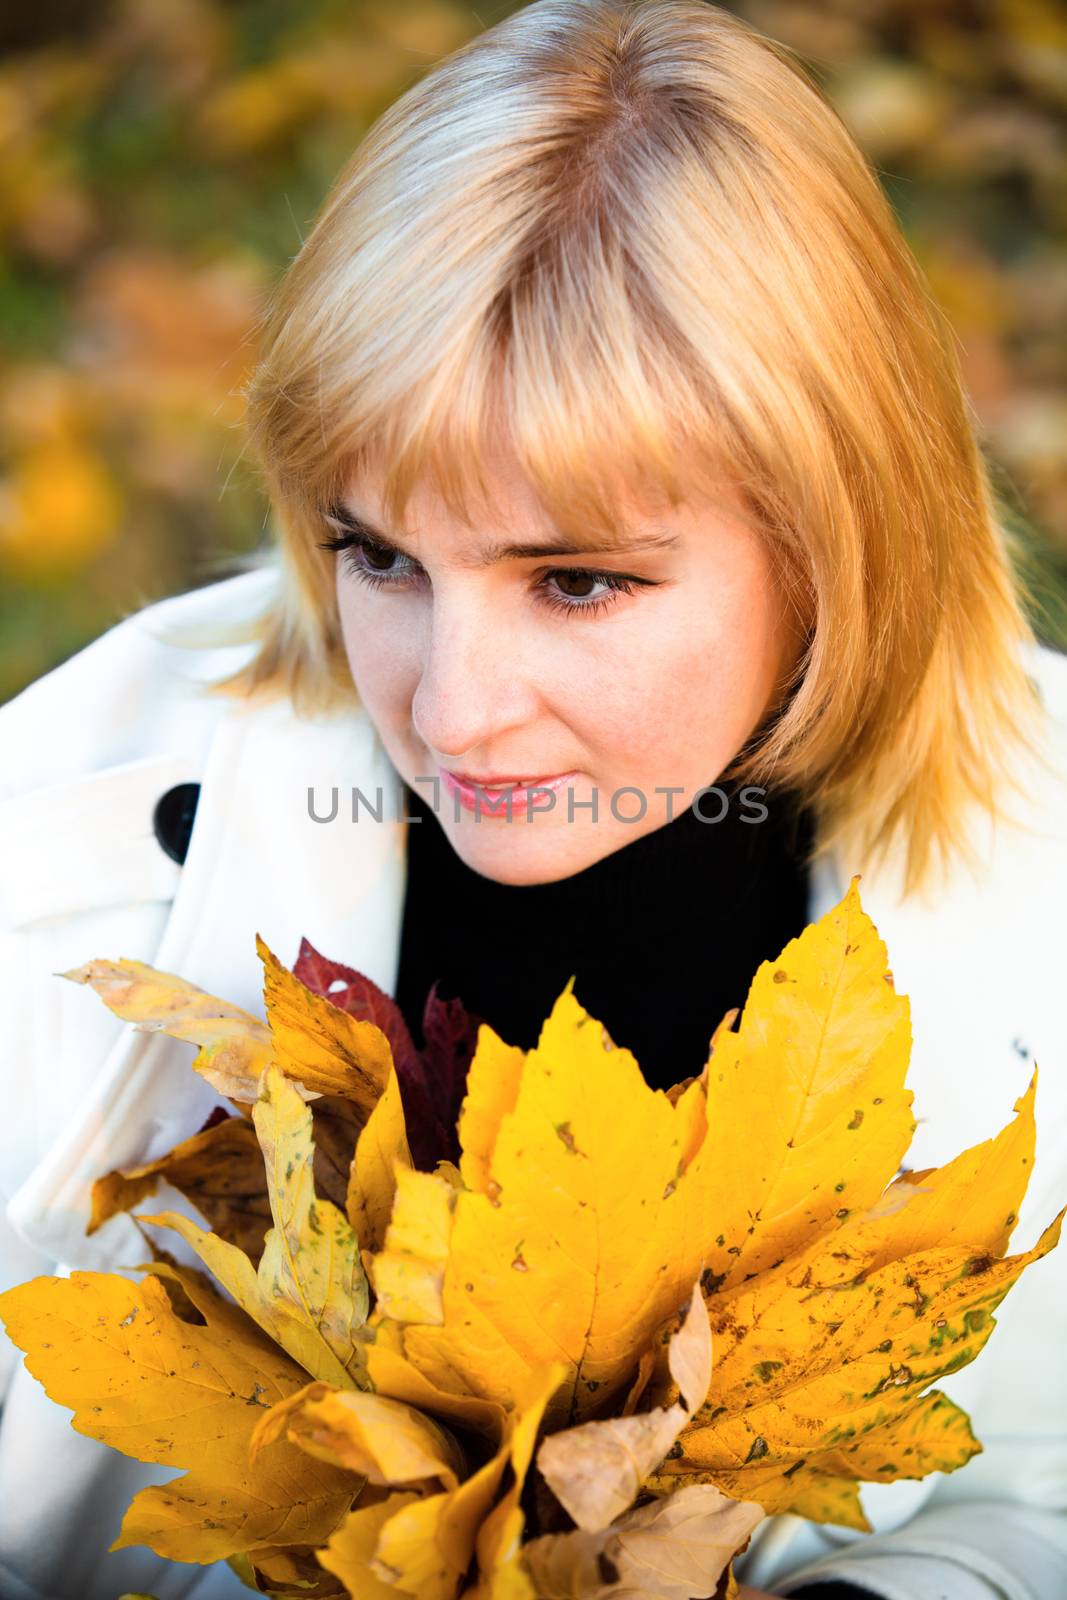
x,y
502,796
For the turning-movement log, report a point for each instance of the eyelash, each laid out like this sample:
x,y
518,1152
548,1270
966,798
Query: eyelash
x,y
350,544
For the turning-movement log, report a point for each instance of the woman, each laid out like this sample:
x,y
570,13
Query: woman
x,y
614,443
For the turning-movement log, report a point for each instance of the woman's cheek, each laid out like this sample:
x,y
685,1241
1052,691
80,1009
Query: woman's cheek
x,y
383,670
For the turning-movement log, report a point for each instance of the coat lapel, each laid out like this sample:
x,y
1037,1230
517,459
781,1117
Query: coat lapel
x,y
87,843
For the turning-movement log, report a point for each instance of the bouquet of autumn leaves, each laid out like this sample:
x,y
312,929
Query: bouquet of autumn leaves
x,y
578,1346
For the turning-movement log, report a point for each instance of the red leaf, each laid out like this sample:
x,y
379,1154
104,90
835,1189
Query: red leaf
x,y
451,1035
360,996
432,1081
220,1114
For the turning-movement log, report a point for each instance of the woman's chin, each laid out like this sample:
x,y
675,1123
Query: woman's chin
x,y
522,853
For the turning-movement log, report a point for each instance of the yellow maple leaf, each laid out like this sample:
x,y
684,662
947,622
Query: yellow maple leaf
x,y
501,1572
391,1373
493,1079
219,1169
806,1115
234,1046
568,1250
572,1240
350,1551
340,1064
823,1363
321,1046
386,1441
316,1044
972,1201
180,1394
423,1545
309,1291
579,1233
408,1272
382,1146
289,1572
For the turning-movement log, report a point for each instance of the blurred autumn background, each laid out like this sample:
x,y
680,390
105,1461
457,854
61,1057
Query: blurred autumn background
x,y
160,161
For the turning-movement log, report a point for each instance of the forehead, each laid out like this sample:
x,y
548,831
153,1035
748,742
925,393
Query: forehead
x,y
480,549
502,517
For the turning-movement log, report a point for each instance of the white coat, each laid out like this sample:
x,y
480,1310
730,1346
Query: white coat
x,y
84,755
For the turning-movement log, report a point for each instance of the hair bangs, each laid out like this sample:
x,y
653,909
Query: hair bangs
x,y
568,365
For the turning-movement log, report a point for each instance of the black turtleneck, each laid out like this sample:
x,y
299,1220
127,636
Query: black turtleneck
x,y
663,936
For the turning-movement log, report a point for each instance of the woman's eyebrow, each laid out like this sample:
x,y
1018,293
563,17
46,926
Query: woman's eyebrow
x,y
561,545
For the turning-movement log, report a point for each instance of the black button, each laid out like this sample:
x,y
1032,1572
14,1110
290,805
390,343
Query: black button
x,y
172,820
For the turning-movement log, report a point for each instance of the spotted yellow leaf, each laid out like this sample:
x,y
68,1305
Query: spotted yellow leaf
x,y
382,1146
807,1116
823,1368
309,1291
408,1272
568,1249
184,1395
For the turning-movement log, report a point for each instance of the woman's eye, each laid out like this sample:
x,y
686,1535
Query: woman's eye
x,y
574,577
377,560
565,589
613,584
366,560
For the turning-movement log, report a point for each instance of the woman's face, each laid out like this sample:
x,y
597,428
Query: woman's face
x,y
473,660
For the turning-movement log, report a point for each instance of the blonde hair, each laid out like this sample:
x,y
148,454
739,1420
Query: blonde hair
x,y
636,239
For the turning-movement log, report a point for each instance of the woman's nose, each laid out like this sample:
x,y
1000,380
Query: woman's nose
x,y
474,685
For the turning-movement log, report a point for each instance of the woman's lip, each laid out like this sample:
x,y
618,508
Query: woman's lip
x,y
473,796
498,780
